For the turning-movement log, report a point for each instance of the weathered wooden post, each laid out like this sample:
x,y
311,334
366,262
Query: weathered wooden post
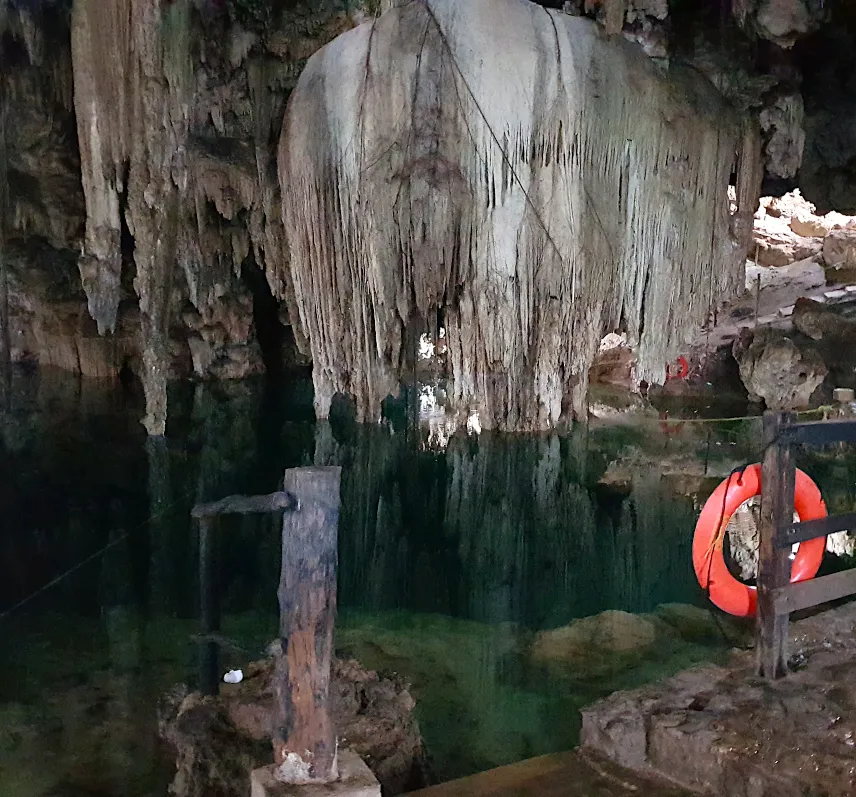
x,y
305,739
778,476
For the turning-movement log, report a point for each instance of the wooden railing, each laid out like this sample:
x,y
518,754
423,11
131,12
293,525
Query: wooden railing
x,y
304,737
777,597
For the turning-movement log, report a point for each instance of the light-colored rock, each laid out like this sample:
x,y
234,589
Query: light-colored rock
x,y
791,204
809,226
774,368
775,241
613,363
782,123
742,539
843,395
785,21
839,249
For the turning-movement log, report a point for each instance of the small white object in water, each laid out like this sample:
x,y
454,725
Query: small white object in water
x,y
233,677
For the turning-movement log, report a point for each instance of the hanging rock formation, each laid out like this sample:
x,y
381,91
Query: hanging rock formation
x,y
144,199
537,183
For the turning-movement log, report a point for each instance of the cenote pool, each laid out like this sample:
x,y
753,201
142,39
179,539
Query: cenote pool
x,y
451,563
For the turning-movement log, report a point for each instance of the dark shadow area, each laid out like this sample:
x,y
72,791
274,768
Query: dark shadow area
x,y
270,331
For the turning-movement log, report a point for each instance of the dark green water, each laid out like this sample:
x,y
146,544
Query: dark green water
x,y
449,563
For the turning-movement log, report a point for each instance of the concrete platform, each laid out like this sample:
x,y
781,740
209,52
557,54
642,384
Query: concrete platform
x,y
355,780
723,731
569,774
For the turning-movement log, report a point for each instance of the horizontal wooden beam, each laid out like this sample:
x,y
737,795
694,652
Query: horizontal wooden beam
x,y
246,505
795,597
819,433
809,529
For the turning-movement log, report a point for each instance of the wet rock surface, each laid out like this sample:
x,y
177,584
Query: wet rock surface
x,y
612,641
219,740
722,730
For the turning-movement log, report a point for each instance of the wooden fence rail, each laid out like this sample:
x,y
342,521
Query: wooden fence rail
x,y
777,597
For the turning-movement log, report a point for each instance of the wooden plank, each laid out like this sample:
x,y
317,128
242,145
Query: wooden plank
x,y
578,773
796,597
305,738
209,609
819,433
778,475
246,505
809,529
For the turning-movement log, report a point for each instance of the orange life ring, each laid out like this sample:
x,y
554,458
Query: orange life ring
x,y
727,592
682,370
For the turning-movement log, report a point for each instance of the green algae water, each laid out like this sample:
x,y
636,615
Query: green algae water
x,y
455,565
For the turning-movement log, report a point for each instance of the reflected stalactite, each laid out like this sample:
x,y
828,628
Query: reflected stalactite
x,y
5,211
163,562
123,625
504,528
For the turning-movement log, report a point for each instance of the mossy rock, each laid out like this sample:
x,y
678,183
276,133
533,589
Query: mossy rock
x,y
704,626
602,644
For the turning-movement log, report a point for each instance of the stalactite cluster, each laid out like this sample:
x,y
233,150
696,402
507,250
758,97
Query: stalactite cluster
x,y
143,166
527,177
536,182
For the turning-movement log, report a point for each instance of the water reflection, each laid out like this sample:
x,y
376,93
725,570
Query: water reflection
x,y
449,560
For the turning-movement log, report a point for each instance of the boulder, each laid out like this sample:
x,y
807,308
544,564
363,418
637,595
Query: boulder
x,y
778,250
614,362
775,242
821,322
599,645
775,369
839,250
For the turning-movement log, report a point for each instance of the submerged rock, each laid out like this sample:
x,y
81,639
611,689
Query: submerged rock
x,y
695,624
218,740
597,645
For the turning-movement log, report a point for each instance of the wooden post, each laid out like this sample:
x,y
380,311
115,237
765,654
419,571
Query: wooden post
x,y
305,739
209,608
778,475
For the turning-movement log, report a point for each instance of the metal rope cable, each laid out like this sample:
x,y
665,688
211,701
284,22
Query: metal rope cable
x,y
74,568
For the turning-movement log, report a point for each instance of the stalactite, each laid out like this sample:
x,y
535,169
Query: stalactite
x,y
182,198
101,47
506,163
158,181
132,113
